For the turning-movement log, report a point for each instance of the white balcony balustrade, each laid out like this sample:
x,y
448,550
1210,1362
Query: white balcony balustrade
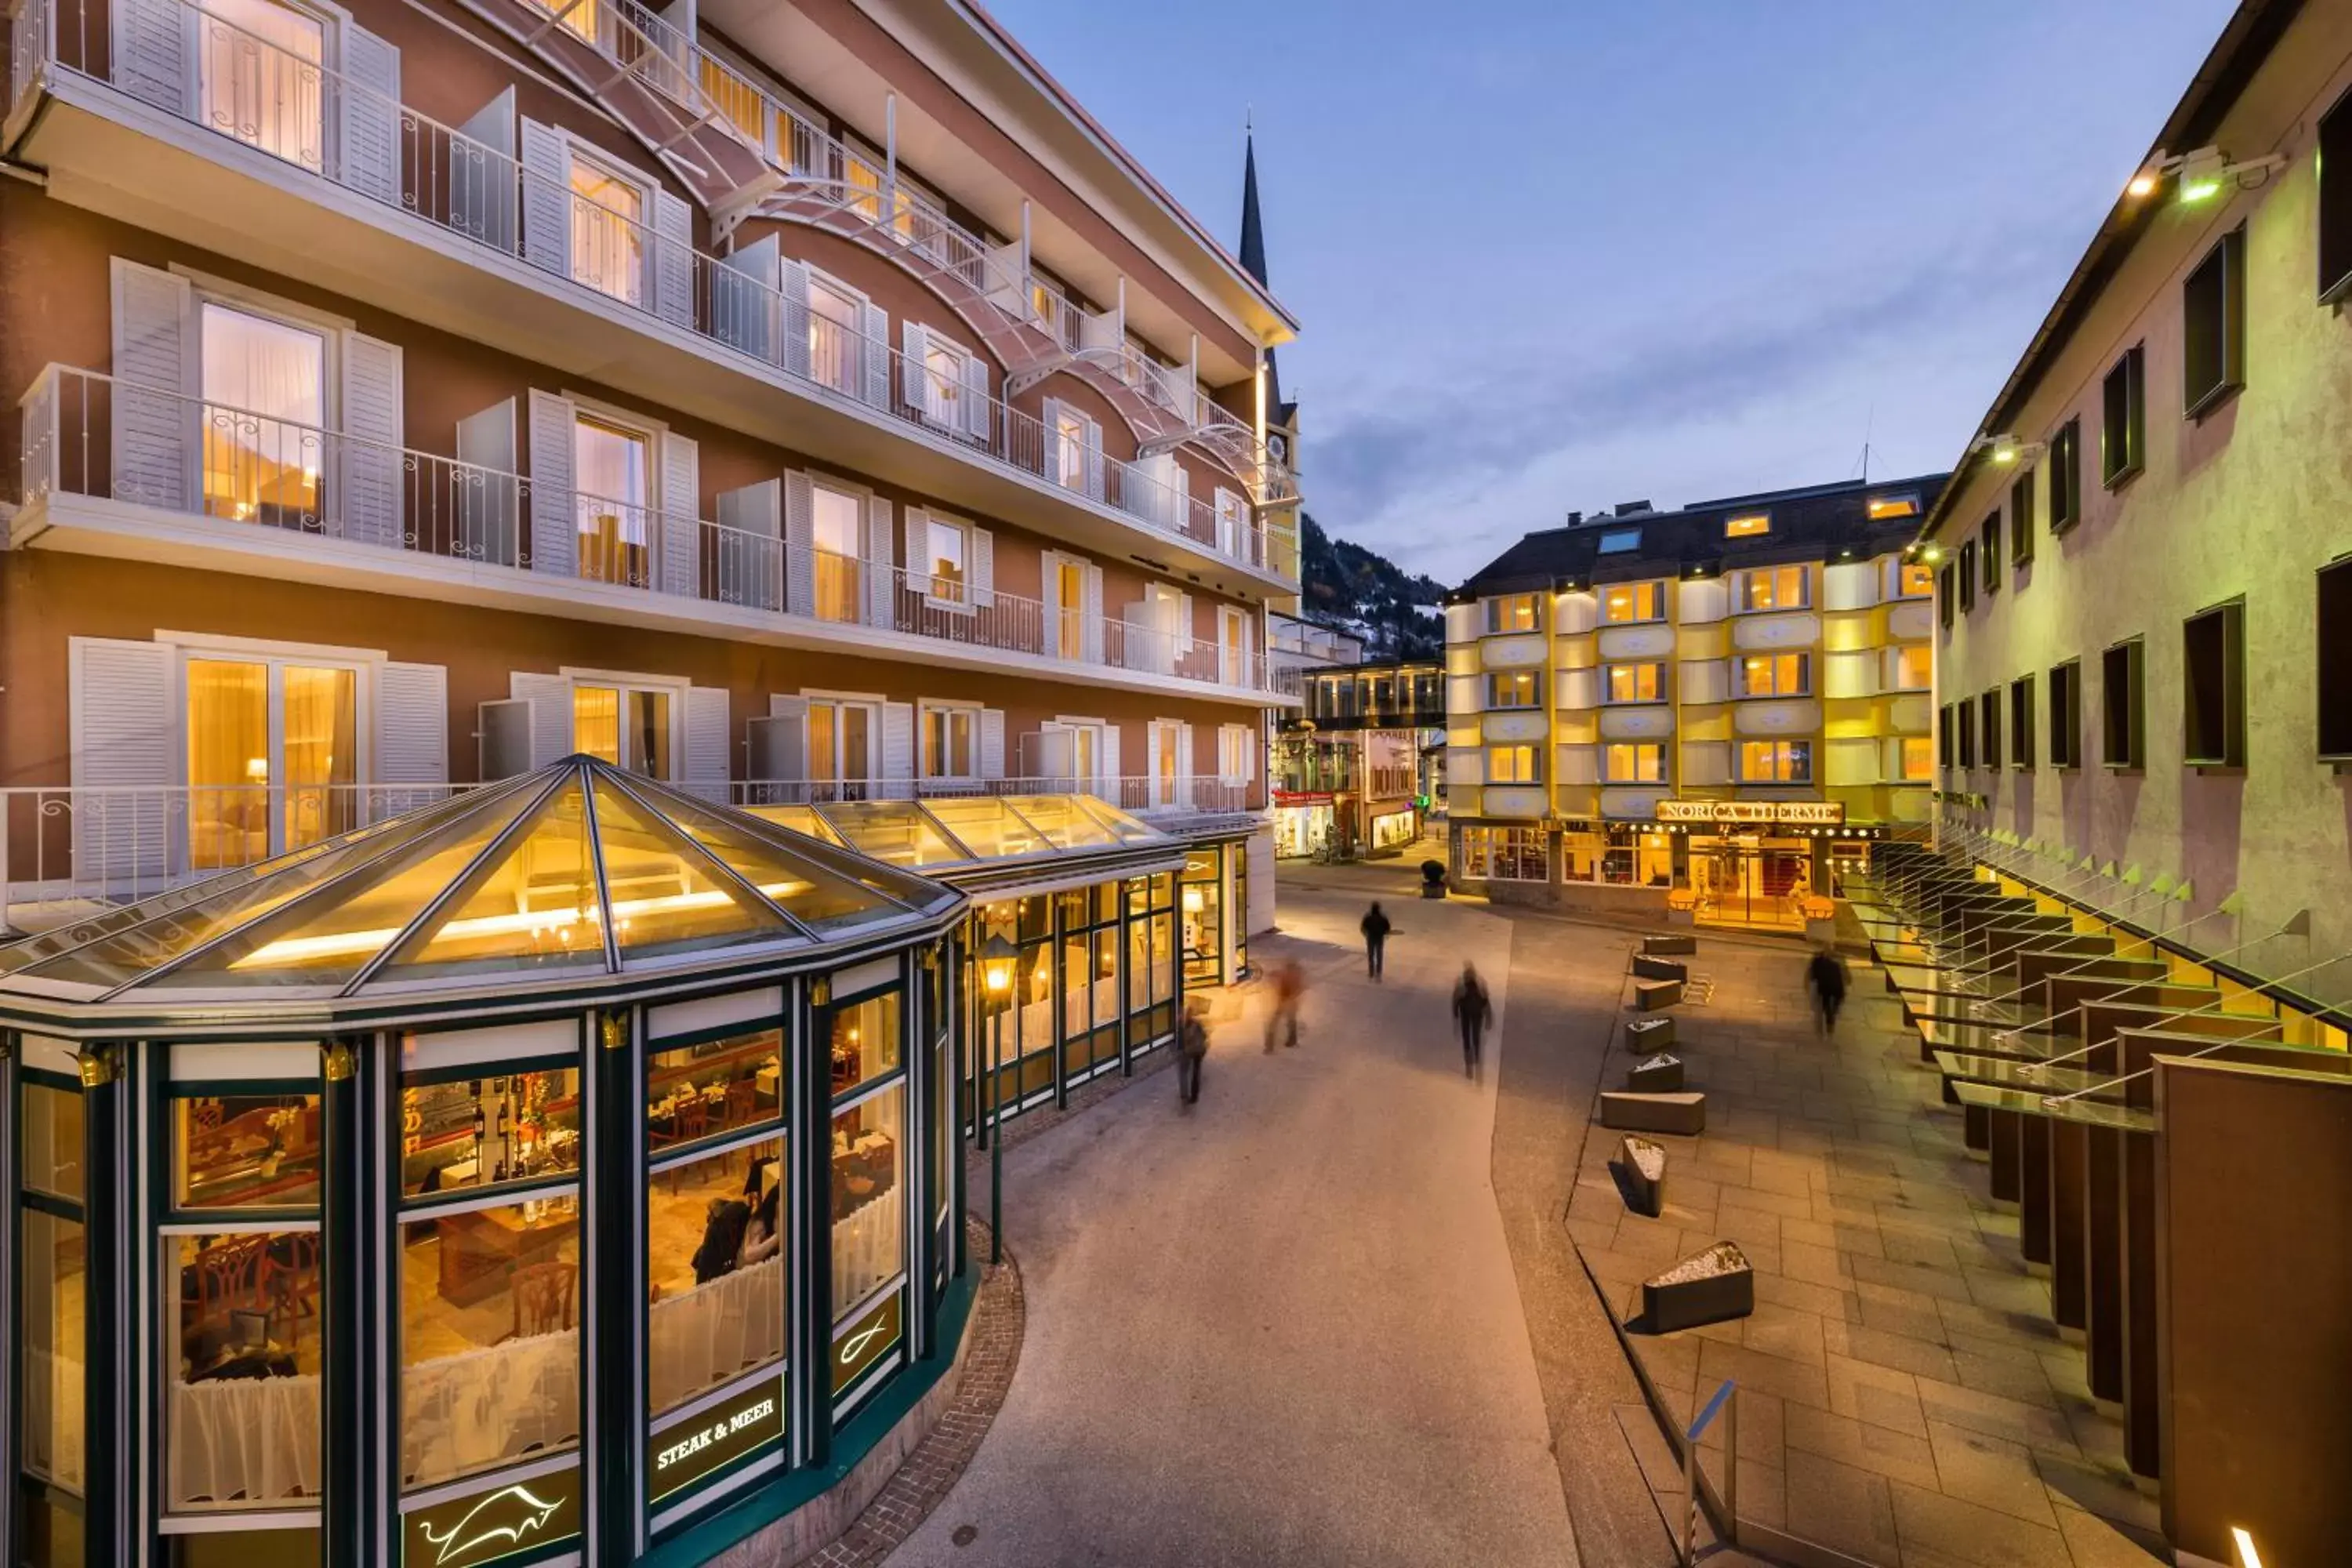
x,y
272,93
86,435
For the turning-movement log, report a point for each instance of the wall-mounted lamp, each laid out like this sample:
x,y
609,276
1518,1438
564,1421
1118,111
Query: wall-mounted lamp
x,y
2007,450
2199,176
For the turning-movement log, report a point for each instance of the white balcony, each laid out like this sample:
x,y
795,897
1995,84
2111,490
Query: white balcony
x,y
65,849
324,174
142,473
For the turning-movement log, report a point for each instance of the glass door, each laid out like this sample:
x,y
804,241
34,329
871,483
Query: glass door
x,y
628,727
264,416
257,78
273,758
613,468
841,749
1069,609
836,533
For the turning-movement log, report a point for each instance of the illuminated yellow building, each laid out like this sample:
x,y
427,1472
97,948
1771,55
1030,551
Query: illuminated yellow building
x,y
1693,709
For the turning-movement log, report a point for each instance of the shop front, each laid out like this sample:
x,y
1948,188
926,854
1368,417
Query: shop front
x,y
1304,823
1755,863
566,1172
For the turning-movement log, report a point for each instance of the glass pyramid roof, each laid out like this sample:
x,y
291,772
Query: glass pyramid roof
x,y
577,868
949,832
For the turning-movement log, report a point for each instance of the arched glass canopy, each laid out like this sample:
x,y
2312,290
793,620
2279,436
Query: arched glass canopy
x,y
943,832
577,869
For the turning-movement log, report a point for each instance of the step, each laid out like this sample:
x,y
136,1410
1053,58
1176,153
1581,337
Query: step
x,y
1708,1287
1681,1113
1642,1166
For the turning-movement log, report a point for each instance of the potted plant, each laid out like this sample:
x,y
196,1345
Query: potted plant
x,y
1432,879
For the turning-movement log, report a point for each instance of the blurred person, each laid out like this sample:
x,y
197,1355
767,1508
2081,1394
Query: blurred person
x,y
1289,982
1472,1011
1376,927
1825,978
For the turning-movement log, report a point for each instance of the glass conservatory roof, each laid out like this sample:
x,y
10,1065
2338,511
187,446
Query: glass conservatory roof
x,y
577,868
948,832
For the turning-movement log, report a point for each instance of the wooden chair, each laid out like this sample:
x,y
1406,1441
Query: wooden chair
x,y
292,1284
690,1121
229,1276
542,1295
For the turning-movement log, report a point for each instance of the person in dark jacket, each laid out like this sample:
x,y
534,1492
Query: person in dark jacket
x,y
1825,978
1191,1047
1473,1010
722,1238
1376,928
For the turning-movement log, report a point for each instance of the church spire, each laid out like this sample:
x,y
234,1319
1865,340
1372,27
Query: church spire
x,y
1253,255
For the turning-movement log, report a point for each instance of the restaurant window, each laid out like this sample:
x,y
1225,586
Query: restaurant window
x,y
2065,463
50,1286
1635,858
273,757
2123,711
1750,526
627,726
1505,855
1964,579
716,1228
1512,764
1201,900
2213,325
946,573
264,382
608,229
1240,855
1515,689
242,1325
1776,675
259,78
1988,553
948,749
1150,960
865,1046
612,473
836,335
2123,419
2335,171
1634,683
1631,602
2214,687
1919,760
2066,715
869,1181
1089,938
245,1151
1776,762
2021,520
1776,588
489,1296
1989,722
717,1088
1630,761
2334,612
2021,722
1513,613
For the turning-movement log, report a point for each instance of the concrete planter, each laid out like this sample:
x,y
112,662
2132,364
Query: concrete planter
x,y
1650,968
1649,995
1670,946
1660,1074
1648,1035
1709,1286
1681,1114
1642,1166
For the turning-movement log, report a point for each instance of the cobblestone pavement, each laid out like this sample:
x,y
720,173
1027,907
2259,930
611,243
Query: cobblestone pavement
x,y
1906,1398
1281,1327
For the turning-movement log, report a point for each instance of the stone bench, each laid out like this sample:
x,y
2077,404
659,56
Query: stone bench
x,y
1682,1114
1708,1287
1649,995
1650,968
1659,1074
1646,1034
1642,1166
1669,945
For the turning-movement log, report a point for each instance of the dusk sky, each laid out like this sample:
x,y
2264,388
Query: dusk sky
x,y
1553,256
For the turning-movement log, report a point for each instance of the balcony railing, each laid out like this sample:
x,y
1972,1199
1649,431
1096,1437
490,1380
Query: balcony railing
x,y
273,100
238,469
64,848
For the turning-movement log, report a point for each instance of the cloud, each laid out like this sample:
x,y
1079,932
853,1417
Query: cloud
x,y
1426,472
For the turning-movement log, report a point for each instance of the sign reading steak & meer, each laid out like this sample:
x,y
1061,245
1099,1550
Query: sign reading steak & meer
x,y
708,1439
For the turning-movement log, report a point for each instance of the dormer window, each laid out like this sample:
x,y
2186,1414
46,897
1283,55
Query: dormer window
x,y
1748,526
1617,541
1884,507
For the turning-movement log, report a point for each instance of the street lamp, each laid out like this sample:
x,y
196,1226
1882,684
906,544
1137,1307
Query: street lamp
x,y
997,957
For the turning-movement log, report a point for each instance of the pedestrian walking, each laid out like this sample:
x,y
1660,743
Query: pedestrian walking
x,y
1473,1010
1191,1046
1825,978
1376,929
1289,982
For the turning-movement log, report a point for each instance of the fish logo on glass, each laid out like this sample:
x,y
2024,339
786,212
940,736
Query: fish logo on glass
x,y
506,1515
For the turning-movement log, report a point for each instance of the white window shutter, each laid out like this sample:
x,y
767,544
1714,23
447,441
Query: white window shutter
x,y
747,568
992,743
124,737
554,511
918,524
744,308
412,735
977,422
914,342
369,114
546,198
1180,496
1051,412
550,697
154,434
897,741
875,328
881,553
780,746
672,259
1094,460
503,737
151,56
983,569
490,497
707,742
1090,629
1183,764
794,287
681,528
800,545
372,463
1106,761
481,171
1154,746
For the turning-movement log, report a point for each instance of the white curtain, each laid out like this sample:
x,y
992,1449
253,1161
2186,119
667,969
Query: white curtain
x,y
703,1337
247,1439
479,1408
